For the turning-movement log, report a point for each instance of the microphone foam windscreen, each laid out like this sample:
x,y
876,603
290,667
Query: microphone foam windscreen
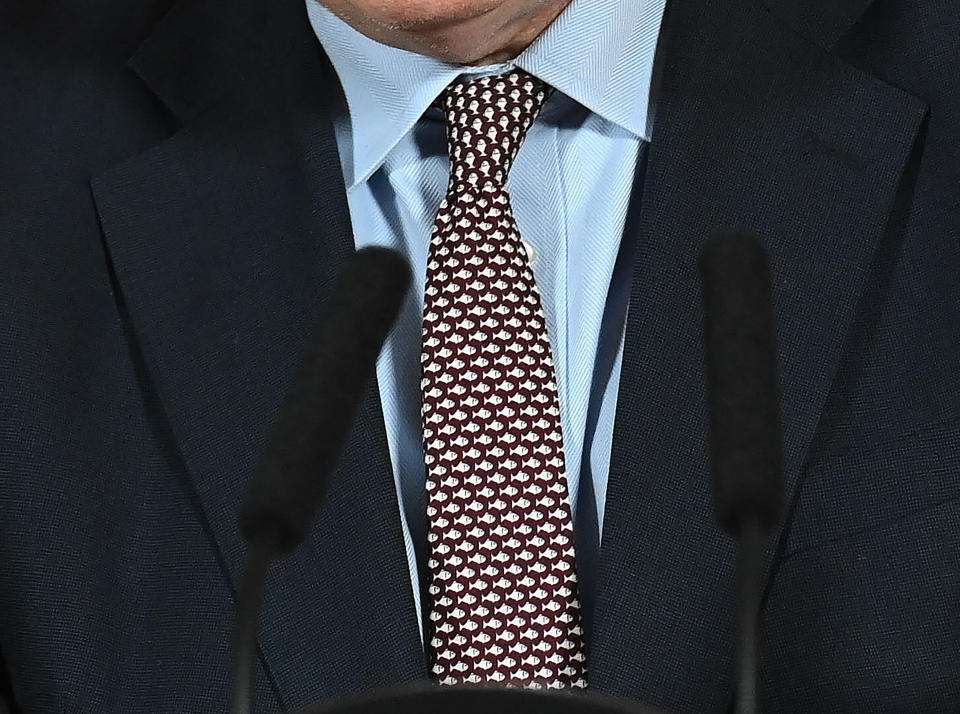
x,y
741,371
323,399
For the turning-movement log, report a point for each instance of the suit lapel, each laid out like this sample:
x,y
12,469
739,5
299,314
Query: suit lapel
x,y
757,128
225,240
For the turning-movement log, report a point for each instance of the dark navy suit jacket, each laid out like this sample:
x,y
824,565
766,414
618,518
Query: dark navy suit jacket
x,y
172,215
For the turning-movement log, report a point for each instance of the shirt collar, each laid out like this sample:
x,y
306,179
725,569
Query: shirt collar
x,y
597,52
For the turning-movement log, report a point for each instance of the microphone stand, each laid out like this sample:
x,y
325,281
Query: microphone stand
x,y
749,585
260,554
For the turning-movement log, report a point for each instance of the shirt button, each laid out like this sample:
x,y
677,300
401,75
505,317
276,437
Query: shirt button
x,y
530,251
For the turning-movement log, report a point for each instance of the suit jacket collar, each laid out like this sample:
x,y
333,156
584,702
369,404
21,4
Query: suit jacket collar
x,y
200,51
225,239
822,22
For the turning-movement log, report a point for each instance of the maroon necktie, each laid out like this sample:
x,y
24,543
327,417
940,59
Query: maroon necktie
x,y
503,585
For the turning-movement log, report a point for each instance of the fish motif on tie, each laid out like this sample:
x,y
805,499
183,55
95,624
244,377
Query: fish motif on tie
x,y
504,603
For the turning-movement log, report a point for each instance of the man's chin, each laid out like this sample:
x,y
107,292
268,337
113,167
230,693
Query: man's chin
x,y
418,14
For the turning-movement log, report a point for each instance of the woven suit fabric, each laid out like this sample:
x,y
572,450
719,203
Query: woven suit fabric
x,y
503,584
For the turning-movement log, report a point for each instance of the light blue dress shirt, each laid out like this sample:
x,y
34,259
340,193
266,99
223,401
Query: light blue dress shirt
x,y
574,187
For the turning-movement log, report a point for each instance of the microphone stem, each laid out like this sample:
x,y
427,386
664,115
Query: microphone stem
x,y
257,561
749,593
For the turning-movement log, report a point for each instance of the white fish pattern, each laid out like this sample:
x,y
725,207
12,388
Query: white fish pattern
x,y
504,598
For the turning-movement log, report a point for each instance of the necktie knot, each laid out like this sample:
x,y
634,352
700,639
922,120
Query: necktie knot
x,y
487,120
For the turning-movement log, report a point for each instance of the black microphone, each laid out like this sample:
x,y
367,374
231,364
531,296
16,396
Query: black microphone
x,y
309,435
745,432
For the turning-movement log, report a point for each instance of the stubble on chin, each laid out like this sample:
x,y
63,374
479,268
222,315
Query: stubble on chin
x,y
458,31
412,15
